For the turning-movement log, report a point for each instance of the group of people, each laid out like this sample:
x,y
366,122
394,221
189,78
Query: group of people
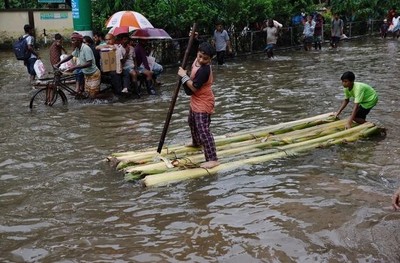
x,y
313,31
391,24
133,62
198,85
312,34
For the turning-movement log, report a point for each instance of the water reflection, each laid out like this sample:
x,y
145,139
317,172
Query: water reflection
x,y
61,202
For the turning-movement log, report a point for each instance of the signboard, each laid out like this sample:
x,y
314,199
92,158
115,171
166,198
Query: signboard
x,y
51,1
53,15
75,9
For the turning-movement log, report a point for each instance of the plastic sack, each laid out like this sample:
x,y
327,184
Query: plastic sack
x,y
65,65
39,68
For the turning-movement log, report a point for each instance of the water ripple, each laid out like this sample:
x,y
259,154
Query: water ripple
x,y
61,202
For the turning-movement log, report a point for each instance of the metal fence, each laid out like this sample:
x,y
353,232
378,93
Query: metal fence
x,y
171,52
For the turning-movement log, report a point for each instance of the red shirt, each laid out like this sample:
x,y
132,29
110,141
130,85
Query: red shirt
x,y
55,53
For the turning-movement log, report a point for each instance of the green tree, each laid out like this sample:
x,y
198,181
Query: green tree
x,y
362,9
176,16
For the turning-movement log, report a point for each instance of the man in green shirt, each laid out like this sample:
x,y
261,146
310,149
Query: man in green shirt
x,y
85,62
365,98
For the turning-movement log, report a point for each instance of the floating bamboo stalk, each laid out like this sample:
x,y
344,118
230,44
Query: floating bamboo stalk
x,y
327,117
351,134
251,146
235,149
134,158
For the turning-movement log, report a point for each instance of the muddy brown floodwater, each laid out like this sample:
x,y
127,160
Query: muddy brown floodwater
x,y
61,202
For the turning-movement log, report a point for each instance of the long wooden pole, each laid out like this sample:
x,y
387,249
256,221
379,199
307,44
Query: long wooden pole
x,y
176,92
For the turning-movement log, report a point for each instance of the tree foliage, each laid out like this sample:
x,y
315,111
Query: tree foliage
x,y
176,16
363,9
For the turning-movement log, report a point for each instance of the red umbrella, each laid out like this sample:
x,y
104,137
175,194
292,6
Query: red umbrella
x,y
150,33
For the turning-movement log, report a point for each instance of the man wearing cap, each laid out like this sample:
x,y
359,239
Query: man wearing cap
x,y
86,62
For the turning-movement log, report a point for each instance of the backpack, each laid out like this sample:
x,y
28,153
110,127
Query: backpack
x,y
21,50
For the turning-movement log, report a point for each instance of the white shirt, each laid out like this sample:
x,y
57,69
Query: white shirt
x,y
30,40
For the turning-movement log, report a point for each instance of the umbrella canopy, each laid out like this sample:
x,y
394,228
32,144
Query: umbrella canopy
x,y
121,30
128,18
150,33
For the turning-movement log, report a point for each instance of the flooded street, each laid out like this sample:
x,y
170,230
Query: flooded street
x,y
60,201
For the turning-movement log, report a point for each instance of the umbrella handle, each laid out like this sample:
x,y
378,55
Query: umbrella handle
x,y
176,92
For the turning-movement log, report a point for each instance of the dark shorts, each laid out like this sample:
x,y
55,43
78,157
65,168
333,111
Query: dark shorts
x,y
317,38
29,65
308,39
79,77
335,40
221,57
269,47
362,113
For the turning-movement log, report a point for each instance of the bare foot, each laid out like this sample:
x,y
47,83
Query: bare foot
x,y
209,164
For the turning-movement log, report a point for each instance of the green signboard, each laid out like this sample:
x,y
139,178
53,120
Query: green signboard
x,y
53,15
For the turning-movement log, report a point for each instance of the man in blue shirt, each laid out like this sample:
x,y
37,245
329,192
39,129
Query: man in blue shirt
x,y
221,42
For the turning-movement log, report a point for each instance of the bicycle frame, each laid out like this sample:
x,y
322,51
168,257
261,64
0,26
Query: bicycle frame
x,y
53,93
60,81
54,90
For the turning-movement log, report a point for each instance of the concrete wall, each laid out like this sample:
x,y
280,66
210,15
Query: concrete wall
x,y
52,20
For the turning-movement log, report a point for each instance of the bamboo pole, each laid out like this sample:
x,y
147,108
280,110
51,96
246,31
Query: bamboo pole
x,y
176,92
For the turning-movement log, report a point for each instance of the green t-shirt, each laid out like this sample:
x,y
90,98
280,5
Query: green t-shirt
x,y
85,54
363,94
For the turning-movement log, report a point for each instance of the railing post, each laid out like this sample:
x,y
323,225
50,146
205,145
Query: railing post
x,y
372,27
350,29
322,32
291,36
251,41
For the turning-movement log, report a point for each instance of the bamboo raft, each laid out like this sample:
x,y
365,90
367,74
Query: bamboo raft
x,y
178,162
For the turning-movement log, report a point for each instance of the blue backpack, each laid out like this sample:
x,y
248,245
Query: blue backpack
x,y
21,50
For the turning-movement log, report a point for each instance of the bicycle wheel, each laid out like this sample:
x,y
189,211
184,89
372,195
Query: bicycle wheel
x,y
40,98
56,101
47,96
